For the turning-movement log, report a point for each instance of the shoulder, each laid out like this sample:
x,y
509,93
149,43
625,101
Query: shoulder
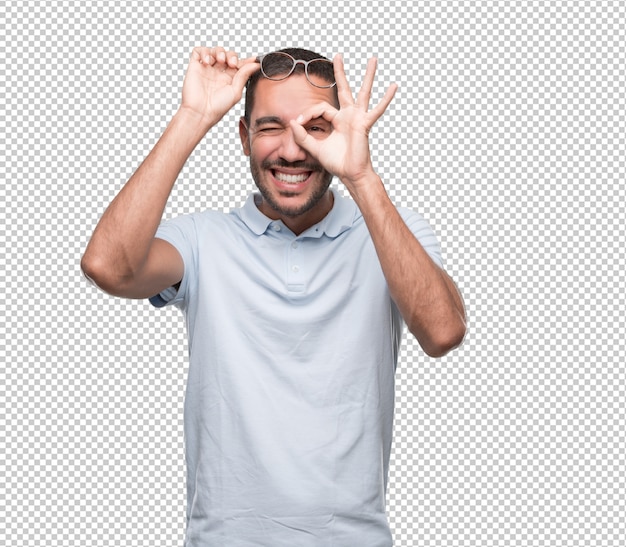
x,y
187,233
196,222
411,215
423,232
415,221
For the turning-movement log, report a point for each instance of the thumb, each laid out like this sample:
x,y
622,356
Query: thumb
x,y
243,74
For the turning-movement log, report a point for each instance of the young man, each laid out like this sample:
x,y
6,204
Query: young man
x,y
294,303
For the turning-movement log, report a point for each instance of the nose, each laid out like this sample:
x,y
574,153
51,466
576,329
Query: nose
x,y
289,149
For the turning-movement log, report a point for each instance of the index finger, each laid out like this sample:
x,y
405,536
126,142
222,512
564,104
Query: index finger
x,y
245,69
318,111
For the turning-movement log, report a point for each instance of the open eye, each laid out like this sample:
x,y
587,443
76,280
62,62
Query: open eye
x,y
318,129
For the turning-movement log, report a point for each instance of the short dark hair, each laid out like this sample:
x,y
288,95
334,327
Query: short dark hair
x,y
296,53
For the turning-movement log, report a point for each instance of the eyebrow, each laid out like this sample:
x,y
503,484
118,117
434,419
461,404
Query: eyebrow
x,y
267,120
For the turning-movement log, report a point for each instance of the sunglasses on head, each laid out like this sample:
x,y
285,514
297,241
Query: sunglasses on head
x,y
279,66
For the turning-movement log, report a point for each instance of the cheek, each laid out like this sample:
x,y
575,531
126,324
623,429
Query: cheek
x,y
262,148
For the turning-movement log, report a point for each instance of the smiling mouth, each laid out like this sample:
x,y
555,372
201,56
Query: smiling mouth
x,y
289,178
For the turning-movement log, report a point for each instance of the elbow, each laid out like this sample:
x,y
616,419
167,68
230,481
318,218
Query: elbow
x,y
98,273
442,340
106,275
92,269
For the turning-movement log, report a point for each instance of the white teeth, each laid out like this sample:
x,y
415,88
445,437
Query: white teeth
x,y
291,179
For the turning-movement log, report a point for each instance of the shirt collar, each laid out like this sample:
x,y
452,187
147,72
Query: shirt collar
x,y
340,218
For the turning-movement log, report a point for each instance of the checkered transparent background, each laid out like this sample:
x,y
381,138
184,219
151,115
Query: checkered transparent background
x,y
508,134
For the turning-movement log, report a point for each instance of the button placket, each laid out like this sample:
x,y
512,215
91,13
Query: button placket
x,y
294,256
295,281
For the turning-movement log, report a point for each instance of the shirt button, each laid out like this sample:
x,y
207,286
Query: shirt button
x,y
295,269
294,245
276,227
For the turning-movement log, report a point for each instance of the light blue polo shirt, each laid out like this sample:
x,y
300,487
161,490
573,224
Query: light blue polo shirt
x,y
293,342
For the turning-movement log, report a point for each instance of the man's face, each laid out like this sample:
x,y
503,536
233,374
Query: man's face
x,y
291,182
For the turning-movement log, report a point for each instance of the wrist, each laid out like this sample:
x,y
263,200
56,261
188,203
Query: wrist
x,y
364,185
193,121
373,201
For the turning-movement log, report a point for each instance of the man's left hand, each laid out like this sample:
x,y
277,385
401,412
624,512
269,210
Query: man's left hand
x,y
345,152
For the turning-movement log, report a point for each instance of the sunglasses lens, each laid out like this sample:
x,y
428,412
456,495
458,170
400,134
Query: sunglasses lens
x,y
320,73
277,66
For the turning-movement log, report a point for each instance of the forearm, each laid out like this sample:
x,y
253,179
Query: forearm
x,y
122,238
426,297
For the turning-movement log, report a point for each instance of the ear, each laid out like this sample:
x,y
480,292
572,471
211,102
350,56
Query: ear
x,y
244,135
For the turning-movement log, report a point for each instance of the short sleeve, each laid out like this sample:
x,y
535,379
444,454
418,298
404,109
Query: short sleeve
x,y
181,233
424,234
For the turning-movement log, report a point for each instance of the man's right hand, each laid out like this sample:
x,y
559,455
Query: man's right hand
x,y
214,82
123,256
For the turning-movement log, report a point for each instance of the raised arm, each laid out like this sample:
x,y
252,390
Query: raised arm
x,y
427,298
123,257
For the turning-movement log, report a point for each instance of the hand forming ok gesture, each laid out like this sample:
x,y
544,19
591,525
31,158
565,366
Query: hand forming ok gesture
x,y
345,152
214,82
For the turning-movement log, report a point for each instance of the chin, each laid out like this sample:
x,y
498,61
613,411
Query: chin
x,y
293,203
